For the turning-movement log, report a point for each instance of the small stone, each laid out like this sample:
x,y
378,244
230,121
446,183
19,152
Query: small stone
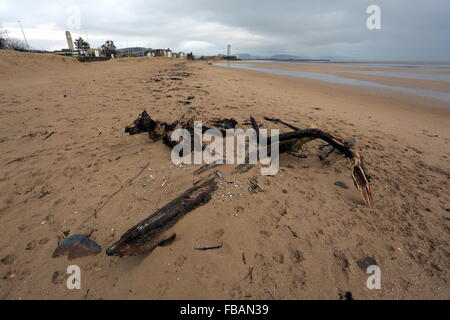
x,y
89,231
31,245
8,259
296,255
341,184
285,191
346,296
278,257
55,277
422,180
77,246
366,262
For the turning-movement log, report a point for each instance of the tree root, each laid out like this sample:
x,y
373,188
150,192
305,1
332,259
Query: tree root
x,y
288,141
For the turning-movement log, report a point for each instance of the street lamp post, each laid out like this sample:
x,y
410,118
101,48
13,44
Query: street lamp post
x,y
25,38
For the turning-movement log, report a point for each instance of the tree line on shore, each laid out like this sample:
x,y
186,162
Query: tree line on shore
x,y
7,43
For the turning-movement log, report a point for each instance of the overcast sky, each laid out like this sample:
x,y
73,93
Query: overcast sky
x,y
411,29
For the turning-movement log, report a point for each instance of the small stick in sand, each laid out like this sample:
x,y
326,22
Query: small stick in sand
x,y
101,205
49,135
209,248
282,122
249,274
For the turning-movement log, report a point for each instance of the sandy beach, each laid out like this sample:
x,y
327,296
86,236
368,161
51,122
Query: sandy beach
x,y
64,155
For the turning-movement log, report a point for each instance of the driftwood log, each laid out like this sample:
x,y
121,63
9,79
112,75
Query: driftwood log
x,y
155,229
288,141
297,138
162,130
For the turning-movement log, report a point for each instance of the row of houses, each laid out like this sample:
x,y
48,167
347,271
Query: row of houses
x,y
148,52
109,50
167,53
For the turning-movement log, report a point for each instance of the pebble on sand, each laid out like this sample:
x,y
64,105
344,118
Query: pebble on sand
x,y
8,259
341,184
366,262
77,246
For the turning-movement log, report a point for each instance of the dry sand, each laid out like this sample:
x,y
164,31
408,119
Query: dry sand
x,y
300,238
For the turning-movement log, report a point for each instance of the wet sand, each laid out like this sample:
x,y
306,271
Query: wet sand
x,y
387,76
299,238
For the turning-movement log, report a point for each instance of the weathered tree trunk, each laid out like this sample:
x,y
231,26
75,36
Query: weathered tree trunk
x,y
152,231
158,130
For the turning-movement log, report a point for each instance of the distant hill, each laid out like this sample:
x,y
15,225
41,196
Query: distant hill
x,y
247,56
286,57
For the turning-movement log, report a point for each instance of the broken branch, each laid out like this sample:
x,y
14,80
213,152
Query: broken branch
x,y
359,175
209,248
101,205
290,141
150,232
282,122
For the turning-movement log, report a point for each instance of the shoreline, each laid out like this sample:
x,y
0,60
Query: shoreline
x,y
388,79
359,98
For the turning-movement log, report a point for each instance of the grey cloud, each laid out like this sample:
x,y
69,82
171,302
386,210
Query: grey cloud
x,y
411,30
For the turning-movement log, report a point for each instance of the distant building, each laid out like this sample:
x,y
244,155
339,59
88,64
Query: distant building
x,y
162,53
71,52
213,58
181,55
92,52
133,51
233,58
67,52
69,41
147,52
